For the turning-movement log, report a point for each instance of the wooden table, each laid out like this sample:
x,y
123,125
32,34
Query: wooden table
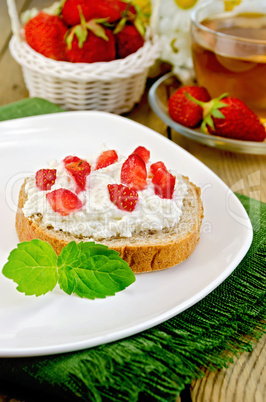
x,y
245,379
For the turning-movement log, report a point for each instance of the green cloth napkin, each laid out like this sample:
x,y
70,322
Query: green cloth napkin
x,y
27,108
156,364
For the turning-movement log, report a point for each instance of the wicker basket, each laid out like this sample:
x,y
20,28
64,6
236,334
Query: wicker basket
x,y
114,86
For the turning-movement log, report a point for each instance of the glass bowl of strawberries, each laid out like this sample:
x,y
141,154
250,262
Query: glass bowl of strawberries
x,y
85,55
224,122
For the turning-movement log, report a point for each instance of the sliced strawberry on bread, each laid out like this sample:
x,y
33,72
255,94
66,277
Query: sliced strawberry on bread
x,y
125,198
79,171
134,172
157,165
63,201
70,158
45,179
164,184
106,158
143,152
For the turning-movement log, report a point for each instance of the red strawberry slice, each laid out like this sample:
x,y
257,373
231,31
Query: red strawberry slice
x,y
79,171
45,179
63,201
106,158
143,153
164,184
69,159
157,165
134,172
125,198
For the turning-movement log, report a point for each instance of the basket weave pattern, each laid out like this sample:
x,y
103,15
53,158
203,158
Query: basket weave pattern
x,y
113,86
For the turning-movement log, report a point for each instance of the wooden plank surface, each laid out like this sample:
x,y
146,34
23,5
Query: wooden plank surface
x,y
245,379
5,23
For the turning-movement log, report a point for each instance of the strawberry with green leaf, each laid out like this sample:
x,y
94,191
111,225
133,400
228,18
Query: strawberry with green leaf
x,y
113,10
90,42
128,41
230,117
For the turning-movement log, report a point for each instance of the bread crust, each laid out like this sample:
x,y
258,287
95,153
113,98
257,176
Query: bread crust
x,y
149,252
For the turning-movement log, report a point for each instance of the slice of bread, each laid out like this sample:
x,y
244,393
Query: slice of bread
x,y
148,251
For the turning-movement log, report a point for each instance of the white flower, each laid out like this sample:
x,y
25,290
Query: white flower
x,y
174,30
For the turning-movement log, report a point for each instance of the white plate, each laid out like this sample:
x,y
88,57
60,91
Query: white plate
x,y
56,322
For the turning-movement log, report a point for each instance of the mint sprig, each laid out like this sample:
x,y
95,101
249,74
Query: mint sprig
x,y
86,269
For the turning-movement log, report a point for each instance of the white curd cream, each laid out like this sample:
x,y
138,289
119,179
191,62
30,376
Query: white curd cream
x,y
99,218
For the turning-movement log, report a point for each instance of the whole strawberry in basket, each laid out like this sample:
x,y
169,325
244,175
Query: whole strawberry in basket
x,y
85,40
45,33
90,42
114,10
87,31
128,41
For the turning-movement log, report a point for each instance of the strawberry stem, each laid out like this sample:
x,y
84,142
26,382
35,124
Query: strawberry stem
x,y
210,110
120,26
94,26
79,30
127,15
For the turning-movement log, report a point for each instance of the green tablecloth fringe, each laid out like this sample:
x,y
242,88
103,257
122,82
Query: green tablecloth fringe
x,y
156,364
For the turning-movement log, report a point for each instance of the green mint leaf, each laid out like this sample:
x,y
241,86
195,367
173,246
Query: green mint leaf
x,y
87,269
66,261
104,276
92,270
90,249
70,268
33,266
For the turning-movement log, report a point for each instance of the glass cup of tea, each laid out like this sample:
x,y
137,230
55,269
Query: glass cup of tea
x,y
229,50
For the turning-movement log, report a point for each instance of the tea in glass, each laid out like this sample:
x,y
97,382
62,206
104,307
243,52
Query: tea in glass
x,y
229,51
